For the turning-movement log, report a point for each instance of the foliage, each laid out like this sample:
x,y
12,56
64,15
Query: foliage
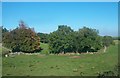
x,y
60,40
21,39
119,38
113,72
63,40
4,30
116,38
107,40
67,40
88,40
43,37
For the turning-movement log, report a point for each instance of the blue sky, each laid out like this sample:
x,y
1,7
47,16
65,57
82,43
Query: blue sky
x,y
60,0
46,16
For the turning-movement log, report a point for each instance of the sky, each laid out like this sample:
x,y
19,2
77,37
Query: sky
x,y
60,0
46,16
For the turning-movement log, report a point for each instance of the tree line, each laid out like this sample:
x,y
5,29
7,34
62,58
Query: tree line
x,y
63,40
85,39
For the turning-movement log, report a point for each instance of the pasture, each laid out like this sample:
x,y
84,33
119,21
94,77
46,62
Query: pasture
x,y
61,65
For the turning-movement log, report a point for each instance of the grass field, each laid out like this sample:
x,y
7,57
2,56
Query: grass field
x,y
45,48
62,65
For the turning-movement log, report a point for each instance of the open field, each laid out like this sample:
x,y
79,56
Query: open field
x,y
59,39
62,65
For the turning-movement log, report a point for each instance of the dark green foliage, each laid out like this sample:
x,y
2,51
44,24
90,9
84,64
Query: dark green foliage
x,y
67,40
4,30
61,40
22,39
113,73
43,37
119,38
107,74
107,40
116,38
88,40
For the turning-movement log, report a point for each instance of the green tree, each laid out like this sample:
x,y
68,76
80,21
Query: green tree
x,y
59,40
107,40
88,40
67,40
22,39
43,37
83,40
4,30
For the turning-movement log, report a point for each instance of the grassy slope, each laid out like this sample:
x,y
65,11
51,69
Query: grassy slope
x,y
50,65
45,48
2,50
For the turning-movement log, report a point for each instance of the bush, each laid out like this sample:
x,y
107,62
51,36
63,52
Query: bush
x,y
109,73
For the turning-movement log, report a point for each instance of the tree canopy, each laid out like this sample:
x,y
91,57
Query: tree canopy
x,y
59,40
43,37
107,40
67,40
21,39
63,40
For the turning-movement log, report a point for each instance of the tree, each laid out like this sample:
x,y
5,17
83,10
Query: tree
x,y
43,37
67,40
59,41
22,39
88,40
107,40
119,38
4,30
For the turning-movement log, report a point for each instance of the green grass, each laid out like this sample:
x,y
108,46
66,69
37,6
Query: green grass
x,y
54,65
45,48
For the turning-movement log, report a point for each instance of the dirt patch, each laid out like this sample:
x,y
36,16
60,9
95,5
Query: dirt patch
x,y
75,57
41,55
